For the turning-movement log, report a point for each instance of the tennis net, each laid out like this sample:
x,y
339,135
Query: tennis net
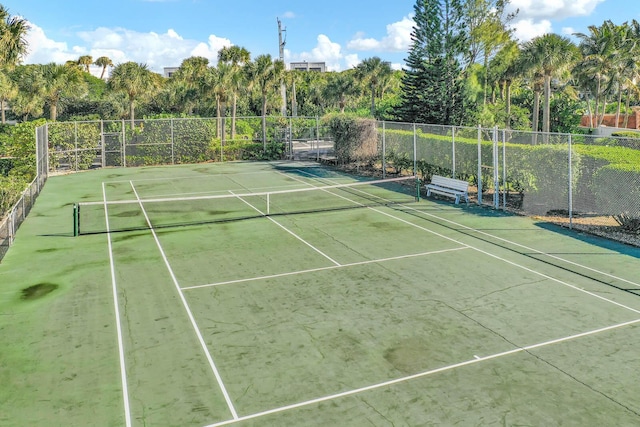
x,y
141,213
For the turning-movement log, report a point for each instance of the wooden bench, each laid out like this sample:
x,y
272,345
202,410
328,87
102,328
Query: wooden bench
x,y
448,187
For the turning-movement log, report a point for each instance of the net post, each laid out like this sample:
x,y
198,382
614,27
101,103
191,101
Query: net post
x,y
76,220
417,188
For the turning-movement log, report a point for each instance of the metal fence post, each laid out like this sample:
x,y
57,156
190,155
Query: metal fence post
x,y
173,154
102,148
504,169
384,147
317,139
496,170
453,151
124,145
570,201
415,151
479,165
75,142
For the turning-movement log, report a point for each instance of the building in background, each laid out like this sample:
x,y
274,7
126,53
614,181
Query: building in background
x,y
308,66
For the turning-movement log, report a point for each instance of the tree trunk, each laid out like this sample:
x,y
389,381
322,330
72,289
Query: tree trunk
x,y
233,116
617,124
132,114
546,111
373,101
507,94
264,121
294,101
626,113
2,103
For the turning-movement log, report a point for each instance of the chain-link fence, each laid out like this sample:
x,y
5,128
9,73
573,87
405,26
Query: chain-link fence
x,y
562,177
79,146
17,214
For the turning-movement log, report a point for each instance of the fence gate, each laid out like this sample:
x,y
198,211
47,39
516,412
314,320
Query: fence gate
x,y
113,153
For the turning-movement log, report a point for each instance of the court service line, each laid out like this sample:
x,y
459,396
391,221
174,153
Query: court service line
x,y
535,250
493,255
188,310
287,230
114,286
313,270
476,359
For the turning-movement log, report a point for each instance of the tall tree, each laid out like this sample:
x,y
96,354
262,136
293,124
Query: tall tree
x,y
340,87
434,89
373,72
593,71
13,42
85,61
61,81
104,62
135,80
8,91
237,57
551,55
190,82
265,74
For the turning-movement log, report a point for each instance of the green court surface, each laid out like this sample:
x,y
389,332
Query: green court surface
x,y
358,313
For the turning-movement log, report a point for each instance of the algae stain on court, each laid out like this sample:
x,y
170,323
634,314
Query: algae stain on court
x,y
37,291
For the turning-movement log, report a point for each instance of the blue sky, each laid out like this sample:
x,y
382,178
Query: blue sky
x,y
161,33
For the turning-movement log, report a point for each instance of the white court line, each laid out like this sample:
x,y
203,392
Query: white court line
x,y
492,255
313,270
188,310
287,230
193,177
123,367
475,360
535,250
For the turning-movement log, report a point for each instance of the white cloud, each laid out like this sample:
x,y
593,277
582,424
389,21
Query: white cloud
x,y
325,51
289,15
43,50
568,31
552,9
528,29
398,38
122,45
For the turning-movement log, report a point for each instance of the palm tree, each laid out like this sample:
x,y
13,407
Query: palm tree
x,y
135,80
13,43
264,74
8,91
372,72
340,87
508,67
593,71
85,62
550,55
60,81
237,57
190,81
30,99
103,62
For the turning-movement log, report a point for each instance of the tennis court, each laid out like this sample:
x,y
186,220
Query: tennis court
x,y
289,294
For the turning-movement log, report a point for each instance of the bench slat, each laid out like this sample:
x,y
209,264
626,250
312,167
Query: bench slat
x,y
448,187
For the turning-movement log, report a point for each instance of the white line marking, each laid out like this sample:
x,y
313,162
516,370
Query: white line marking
x,y
312,270
287,230
422,374
123,367
186,307
515,264
536,250
492,255
476,356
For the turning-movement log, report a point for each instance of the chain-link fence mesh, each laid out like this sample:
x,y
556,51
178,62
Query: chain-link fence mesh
x,y
18,213
563,177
